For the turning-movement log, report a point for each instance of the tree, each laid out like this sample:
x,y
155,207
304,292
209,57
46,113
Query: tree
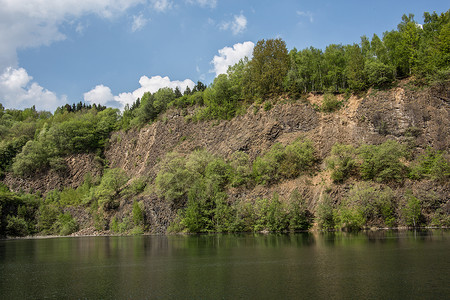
x,y
178,93
335,61
355,67
269,67
199,87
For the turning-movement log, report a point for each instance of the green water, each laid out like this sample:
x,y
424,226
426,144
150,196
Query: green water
x,y
376,265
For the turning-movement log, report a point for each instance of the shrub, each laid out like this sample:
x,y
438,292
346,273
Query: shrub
x,y
330,103
137,230
65,224
114,225
326,215
382,162
138,213
433,165
298,157
284,162
412,211
108,189
241,169
48,214
16,226
342,162
267,106
300,218
173,179
350,218
375,205
266,168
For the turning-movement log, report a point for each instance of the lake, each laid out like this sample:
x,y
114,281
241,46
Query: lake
x,y
367,265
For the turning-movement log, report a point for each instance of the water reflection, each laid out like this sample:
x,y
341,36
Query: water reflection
x,y
379,264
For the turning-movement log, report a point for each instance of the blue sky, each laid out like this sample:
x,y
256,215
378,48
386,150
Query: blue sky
x,y
54,52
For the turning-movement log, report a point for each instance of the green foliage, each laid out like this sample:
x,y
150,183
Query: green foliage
x,y
382,162
267,106
266,168
151,105
270,215
299,157
300,218
350,218
173,179
124,226
284,162
375,206
47,217
330,103
268,68
16,226
136,186
138,214
84,131
107,192
412,211
433,165
220,101
326,214
137,230
377,73
342,162
114,225
65,224
241,168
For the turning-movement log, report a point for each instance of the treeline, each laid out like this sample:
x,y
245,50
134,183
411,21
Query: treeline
x,y
420,51
34,141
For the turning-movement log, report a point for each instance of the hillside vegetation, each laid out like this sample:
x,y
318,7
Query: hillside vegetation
x,y
350,137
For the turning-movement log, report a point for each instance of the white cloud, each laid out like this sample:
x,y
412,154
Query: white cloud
x,y
25,23
306,14
103,95
100,95
204,3
161,5
18,91
238,25
138,23
229,56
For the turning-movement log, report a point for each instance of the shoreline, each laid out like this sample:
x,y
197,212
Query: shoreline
x,y
402,228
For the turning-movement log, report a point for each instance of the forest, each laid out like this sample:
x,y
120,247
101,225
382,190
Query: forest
x,y
34,141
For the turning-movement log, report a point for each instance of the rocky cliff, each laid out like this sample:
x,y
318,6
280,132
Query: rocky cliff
x,y
419,117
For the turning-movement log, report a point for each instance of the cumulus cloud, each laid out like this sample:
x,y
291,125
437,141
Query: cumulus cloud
x,y
229,56
306,14
100,95
204,3
103,95
238,25
25,23
17,90
138,23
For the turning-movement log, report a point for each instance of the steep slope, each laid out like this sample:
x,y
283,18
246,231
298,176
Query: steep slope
x,y
419,118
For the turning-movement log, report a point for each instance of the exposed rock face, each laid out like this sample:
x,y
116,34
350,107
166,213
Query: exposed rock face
x,y
138,151
394,114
